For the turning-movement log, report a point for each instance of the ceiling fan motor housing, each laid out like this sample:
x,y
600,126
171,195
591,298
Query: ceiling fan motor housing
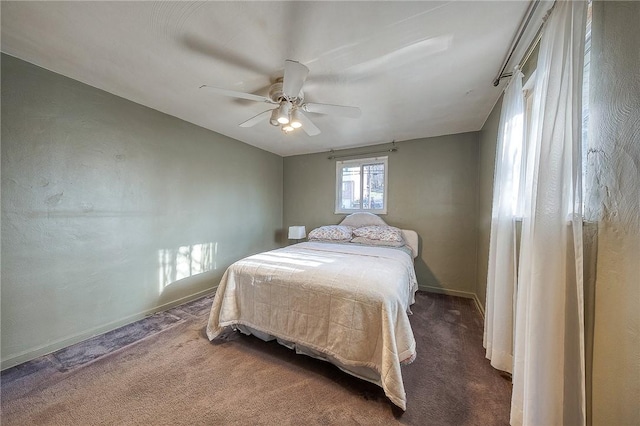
x,y
277,95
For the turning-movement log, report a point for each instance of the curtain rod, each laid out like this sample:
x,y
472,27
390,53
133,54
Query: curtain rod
x,y
525,58
393,148
514,45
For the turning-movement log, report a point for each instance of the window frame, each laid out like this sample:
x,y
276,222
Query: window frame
x,y
528,89
361,162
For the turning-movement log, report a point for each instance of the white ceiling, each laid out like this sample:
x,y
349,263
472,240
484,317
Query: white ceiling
x,y
416,69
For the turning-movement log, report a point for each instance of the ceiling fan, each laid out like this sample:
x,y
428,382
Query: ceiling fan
x,y
287,94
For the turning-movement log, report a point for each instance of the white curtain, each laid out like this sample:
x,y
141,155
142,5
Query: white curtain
x,y
548,376
502,268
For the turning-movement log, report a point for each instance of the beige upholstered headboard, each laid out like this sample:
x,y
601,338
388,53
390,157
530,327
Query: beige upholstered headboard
x,y
360,219
411,237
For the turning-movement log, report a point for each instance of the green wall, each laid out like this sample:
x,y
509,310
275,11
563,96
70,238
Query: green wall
x,y
112,210
432,190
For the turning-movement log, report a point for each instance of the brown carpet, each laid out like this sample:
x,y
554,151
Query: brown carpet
x,y
177,377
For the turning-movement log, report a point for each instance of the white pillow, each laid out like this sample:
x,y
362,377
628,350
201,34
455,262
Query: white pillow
x,y
363,240
381,233
360,219
331,233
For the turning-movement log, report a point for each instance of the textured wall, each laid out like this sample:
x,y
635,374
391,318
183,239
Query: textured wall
x,y
488,141
614,203
111,210
432,189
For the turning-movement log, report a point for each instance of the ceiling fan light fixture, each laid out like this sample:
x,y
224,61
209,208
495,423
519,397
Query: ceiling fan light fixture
x,y
283,112
295,119
287,129
274,117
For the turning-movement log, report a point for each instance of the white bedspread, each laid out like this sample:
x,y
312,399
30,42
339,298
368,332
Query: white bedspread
x,y
347,301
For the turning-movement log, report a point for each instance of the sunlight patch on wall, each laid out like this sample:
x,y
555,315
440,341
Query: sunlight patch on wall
x,y
185,261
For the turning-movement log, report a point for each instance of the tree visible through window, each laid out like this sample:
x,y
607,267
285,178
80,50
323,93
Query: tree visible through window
x,y
361,185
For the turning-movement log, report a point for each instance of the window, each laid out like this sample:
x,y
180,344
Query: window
x,y
361,185
528,91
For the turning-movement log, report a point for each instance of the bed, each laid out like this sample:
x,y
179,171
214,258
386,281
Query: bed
x,y
330,298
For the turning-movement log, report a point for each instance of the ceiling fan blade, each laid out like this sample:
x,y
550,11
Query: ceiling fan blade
x,y
341,110
235,94
294,76
307,125
256,119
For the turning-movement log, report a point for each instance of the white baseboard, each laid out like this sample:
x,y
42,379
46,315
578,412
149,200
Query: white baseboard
x,y
458,293
448,292
478,304
87,334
